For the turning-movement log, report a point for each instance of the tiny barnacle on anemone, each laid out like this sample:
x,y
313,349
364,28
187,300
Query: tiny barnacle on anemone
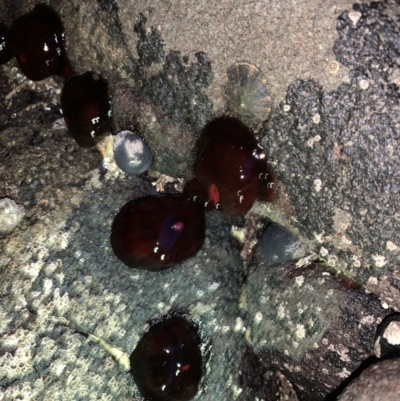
x,y
37,40
166,363
6,53
131,153
86,107
231,170
154,233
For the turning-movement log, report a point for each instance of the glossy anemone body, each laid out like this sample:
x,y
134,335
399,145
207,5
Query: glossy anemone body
x,y
231,171
86,107
154,233
38,43
166,363
6,53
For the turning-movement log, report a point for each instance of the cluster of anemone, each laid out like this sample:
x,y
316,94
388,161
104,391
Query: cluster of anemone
x,y
153,233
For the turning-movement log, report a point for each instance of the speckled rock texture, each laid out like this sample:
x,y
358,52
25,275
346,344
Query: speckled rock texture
x,y
261,382
380,382
60,263
333,139
337,155
305,322
165,81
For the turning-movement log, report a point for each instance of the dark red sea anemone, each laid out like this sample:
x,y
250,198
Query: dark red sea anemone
x,y
231,171
166,363
86,107
37,40
154,233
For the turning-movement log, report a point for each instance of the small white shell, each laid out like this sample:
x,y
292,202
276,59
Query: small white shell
x,y
11,215
131,153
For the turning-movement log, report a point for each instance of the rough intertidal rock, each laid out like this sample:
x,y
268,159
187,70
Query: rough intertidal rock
x,y
379,382
304,322
336,155
333,141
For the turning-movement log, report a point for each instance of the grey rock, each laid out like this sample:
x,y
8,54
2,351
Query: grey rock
x,y
131,153
62,264
167,76
305,323
379,382
11,214
261,381
336,152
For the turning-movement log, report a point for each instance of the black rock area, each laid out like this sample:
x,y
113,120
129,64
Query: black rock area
x,y
174,89
179,87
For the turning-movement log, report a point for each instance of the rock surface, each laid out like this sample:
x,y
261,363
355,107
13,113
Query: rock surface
x,y
304,321
380,382
336,152
333,140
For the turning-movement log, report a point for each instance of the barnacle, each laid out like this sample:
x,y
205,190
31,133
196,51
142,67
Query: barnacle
x,y
247,93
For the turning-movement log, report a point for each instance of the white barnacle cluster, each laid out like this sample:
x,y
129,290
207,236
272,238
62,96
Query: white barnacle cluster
x,y
11,214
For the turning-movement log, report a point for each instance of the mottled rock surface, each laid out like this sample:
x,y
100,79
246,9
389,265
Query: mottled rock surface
x,y
332,137
59,262
380,382
307,324
337,155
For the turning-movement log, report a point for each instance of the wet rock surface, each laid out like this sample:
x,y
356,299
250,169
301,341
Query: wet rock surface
x,y
307,324
61,263
336,152
260,380
380,382
334,146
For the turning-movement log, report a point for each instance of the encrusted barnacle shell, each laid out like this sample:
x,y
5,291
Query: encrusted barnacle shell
x,y
248,94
